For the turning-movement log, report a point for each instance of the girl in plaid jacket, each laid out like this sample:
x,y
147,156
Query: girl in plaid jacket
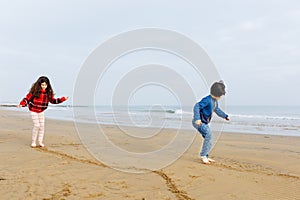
x,y
37,101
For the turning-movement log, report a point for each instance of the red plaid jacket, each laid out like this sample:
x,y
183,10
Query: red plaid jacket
x,y
39,104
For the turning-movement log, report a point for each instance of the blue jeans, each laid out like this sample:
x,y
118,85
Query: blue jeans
x,y
208,139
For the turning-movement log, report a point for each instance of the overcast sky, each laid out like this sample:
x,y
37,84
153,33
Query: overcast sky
x,y
255,45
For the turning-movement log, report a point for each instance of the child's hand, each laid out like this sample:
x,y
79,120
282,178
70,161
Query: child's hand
x,y
64,98
198,122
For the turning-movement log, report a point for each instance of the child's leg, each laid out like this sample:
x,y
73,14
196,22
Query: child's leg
x,y
207,143
42,127
36,127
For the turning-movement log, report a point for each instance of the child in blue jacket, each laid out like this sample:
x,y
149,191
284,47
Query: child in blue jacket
x,y
203,111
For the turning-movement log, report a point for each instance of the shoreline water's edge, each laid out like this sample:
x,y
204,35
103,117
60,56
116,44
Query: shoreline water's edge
x,y
218,125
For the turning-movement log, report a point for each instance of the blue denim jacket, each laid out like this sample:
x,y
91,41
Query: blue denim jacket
x,y
203,110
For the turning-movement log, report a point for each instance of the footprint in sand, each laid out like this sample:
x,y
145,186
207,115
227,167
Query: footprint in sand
x,y
116,185
194,177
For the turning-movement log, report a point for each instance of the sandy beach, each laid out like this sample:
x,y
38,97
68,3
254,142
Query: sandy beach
x,y
248,166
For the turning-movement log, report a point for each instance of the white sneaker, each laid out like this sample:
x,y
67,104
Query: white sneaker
x,y
42,145
33,145
211,160
205,160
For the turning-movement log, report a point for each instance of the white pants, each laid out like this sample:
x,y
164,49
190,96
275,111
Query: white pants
x,y
38,126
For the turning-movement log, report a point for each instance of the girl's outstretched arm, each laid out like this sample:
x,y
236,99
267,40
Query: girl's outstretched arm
x,y
58,100
25,101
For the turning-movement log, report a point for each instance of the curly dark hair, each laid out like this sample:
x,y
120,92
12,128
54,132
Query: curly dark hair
x,y
36,87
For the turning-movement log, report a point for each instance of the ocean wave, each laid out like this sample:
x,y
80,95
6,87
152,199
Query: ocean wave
x,y
173,111
264,117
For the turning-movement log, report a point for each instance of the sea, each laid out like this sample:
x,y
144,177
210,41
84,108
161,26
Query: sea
x,y
271,120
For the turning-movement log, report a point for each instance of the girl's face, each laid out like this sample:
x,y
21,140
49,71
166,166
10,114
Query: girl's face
x,y
44,86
